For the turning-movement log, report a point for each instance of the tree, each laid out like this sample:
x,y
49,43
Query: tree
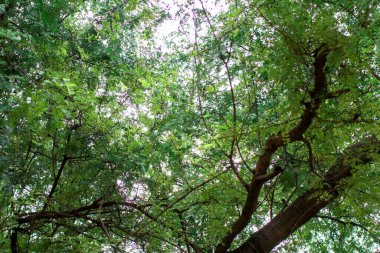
x,y
254,129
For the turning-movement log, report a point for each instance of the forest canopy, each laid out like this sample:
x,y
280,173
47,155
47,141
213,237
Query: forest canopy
x,y
189,126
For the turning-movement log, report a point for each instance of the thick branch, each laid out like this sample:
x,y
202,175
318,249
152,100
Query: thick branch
x,y
14,241
49,215
317,96
311,202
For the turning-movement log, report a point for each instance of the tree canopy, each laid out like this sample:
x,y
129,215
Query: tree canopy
x,y
253,126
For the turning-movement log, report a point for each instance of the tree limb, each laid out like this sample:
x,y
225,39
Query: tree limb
x,y
273,143
307,205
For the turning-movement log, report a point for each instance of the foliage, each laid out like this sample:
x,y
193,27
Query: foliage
x,y
113,142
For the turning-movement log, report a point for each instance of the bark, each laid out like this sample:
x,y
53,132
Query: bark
x,y
310,202
317,96
14,241
52,215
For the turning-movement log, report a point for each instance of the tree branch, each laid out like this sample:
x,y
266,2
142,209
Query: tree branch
x,y
51,215
14,241
345,223
271,146
237,174
59,174
307,205
56,181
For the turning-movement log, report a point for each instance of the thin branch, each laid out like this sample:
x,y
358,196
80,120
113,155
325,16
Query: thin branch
x,y
192,189
237,174
56,181
310,157
242,158
337,93
345,223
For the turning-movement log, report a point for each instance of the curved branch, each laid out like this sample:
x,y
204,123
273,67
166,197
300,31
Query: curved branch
x,y
317,96
308,205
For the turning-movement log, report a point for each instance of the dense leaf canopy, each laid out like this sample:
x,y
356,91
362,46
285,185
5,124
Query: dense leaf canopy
x,y
252,126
